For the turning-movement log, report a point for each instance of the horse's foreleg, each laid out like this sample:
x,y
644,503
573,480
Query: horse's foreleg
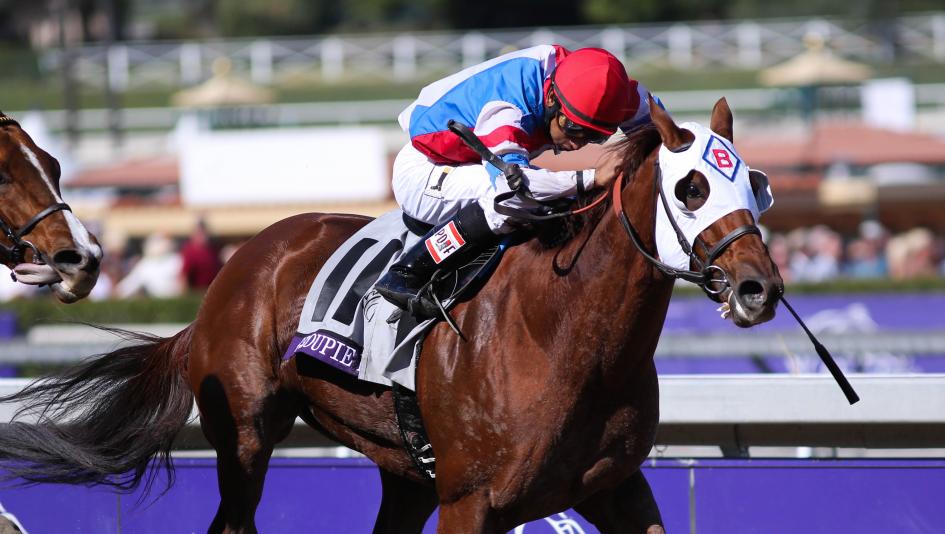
x,y
405,505
472,514
630,507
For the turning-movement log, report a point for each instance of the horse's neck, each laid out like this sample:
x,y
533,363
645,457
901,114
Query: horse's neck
x,y
612,297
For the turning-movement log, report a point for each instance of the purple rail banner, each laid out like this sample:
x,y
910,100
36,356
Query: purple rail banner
x,y
823,313
914,314
696,496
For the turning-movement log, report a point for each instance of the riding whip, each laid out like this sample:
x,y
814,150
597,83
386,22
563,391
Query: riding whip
x,y
825,357
512,172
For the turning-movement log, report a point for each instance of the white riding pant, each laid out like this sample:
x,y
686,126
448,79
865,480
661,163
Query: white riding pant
x,y
434,193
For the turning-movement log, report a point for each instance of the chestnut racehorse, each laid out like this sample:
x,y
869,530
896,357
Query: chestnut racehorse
x,y
551,404
43,242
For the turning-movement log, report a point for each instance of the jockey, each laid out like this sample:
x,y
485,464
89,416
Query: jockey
x,y
519,105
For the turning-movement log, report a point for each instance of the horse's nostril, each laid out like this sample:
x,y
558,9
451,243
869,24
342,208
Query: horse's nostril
x,y
68,257
751,292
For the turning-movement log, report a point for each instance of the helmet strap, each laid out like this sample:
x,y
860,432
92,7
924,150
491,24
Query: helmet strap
x,y
550,113
555,107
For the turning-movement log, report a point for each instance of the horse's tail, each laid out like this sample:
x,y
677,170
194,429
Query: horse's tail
x,y
102,421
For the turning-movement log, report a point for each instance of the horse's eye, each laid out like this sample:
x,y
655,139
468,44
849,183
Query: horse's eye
x,y
4,178
692,191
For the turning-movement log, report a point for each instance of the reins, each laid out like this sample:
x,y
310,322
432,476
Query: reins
x,y
703,277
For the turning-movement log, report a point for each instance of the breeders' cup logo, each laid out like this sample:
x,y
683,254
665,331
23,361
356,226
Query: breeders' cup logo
x,y
721,158
559,523
444,242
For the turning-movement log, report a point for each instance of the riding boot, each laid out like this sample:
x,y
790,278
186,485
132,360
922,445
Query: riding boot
x,y
442,248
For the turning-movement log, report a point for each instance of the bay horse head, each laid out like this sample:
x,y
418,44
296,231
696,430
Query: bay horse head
x,y
708,205
42,241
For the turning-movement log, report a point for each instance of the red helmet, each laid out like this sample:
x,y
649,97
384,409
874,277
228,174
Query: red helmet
x,y
593,89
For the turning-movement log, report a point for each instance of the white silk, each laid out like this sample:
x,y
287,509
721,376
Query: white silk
x,y
729,190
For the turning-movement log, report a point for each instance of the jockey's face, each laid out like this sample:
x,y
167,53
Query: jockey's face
x,y
560,138
567,135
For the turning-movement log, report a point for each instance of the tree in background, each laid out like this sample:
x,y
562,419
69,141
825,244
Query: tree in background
x,y
463,14
635,11
237,18
197,19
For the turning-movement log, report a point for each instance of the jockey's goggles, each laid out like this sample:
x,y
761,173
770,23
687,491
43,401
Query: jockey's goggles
x,y
576,131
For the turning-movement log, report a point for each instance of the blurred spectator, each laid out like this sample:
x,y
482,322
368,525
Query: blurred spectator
x,y
201,259
912,255
781,254
866,256
820,256
157,273
864,260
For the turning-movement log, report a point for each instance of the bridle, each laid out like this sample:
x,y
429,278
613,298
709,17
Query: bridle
x,y
710,277
705,278
16,251
713,279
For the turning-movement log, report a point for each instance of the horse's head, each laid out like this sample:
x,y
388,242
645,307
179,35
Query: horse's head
x,y
713,201
42,241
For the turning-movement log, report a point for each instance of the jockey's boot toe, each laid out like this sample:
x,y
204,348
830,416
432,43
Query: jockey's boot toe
x,y
398,286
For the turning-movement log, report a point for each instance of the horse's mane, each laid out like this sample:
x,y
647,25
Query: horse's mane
x,y
635,147
6,119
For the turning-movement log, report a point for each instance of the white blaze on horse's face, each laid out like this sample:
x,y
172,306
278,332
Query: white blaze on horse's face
x,y
69,280
729,190
81,236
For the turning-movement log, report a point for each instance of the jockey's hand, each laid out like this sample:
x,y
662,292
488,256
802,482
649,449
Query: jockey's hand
x,y
608,167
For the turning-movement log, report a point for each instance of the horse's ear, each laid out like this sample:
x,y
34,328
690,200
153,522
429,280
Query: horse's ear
x,y
721,121
674,137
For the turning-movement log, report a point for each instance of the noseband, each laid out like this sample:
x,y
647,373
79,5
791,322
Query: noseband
x,y
16,251
710,277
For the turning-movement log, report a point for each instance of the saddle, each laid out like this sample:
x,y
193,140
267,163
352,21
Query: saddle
x,y
347,325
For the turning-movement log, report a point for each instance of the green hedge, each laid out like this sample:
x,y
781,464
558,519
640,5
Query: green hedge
x,y
184,309
137,310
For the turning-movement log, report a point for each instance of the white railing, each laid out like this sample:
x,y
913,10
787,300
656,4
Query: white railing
x,y
422,55
740,411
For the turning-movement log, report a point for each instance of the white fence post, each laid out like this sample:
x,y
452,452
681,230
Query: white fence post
x,y
405,57
333,58
190,63
118,68
749,44
612,39
542,36
680,46
474,49
260,62
938,37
